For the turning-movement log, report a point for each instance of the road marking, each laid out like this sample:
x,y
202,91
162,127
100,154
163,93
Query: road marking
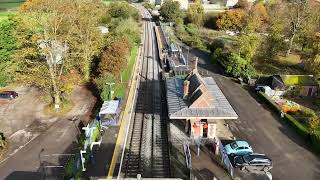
x,y
17,150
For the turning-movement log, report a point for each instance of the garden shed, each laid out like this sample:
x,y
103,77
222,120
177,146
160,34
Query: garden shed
x,y
306,84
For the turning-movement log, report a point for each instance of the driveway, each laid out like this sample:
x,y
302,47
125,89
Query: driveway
x,y
51,143
264,131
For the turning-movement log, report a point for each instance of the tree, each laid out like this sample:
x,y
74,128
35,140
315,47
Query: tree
x,y
114,57
86,40
231,20
248,45
298,11
8,46
239,67
170,11
53,38
275,39
243,4
195,13
128,29
256,18
123,10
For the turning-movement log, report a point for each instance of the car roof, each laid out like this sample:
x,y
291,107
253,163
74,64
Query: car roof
x,y
242,143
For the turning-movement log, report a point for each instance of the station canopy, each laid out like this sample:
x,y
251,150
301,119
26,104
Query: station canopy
x,y
109,107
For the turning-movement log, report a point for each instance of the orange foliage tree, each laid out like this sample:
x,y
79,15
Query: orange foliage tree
x,y
114,57
231,20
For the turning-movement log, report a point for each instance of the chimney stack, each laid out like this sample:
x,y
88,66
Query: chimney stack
x,y
195,65
186,84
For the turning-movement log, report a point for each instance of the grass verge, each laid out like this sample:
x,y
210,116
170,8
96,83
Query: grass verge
x,y
120,88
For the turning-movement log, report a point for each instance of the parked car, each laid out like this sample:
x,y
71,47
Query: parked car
x,y
254,161
8,95
238,148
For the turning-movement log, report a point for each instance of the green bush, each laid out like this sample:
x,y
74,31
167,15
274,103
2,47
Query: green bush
x,y
123,10
217,43
317,103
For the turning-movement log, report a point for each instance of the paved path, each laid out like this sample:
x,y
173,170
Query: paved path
x,y
25,164
58,138
265,131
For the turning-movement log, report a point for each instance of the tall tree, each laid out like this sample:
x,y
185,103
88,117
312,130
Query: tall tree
x,y
231,20
114,57
170,11
51,36
298,12
195,13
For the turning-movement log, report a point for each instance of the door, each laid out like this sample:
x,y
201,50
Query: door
x,y
310,91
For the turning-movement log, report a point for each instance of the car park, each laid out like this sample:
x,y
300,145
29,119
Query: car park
x,y
258,162
238,148
8,95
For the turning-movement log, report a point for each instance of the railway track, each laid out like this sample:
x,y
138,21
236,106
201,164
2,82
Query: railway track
x,y
147,150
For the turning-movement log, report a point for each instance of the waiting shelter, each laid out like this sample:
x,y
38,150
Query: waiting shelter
x,y
109,112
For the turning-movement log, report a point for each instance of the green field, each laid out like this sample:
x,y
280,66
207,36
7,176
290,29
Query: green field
x,y
9,6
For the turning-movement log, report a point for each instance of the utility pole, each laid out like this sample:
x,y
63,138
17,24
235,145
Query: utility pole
x,y
110,87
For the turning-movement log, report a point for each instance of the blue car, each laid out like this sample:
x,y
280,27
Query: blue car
x,y
238,148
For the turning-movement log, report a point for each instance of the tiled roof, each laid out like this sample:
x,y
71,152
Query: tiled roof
x,y
180,108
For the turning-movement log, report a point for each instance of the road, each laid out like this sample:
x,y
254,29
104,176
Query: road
x,y
25,164
42,151
264,130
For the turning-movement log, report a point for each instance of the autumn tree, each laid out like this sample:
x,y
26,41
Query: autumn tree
x,y
86,40
297,13
313,63
231,20
170,11
256,18
195,13
114,57
243,4
53,36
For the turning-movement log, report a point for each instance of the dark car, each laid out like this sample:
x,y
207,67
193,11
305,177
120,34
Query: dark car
x,y
8,94
254,161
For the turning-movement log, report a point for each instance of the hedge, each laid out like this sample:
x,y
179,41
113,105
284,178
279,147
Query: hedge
x,y
302,130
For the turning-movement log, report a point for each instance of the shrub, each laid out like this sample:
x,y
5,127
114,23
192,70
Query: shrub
x,y
103,88
123,10
217,43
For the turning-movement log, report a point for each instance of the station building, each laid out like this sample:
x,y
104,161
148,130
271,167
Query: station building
x,y
199,103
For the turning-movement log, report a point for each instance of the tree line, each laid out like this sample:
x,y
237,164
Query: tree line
x,y
55,45
265,28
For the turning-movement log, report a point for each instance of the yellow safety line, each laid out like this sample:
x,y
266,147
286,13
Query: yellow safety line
x,y
124,120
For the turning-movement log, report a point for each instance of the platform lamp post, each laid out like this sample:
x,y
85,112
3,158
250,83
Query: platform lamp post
x,y
188,56
111,92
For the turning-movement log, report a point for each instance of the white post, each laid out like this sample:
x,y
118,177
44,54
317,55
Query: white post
x,y
82,159
111,92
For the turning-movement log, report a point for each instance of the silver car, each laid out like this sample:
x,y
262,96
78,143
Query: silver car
x,y
257,162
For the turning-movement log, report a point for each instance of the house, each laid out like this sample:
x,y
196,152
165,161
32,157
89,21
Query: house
x,y
199,103
306,84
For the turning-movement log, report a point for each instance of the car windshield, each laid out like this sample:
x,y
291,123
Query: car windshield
x,y
247,158
234,145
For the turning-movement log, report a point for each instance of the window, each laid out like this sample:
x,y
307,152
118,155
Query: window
x,y
234,145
